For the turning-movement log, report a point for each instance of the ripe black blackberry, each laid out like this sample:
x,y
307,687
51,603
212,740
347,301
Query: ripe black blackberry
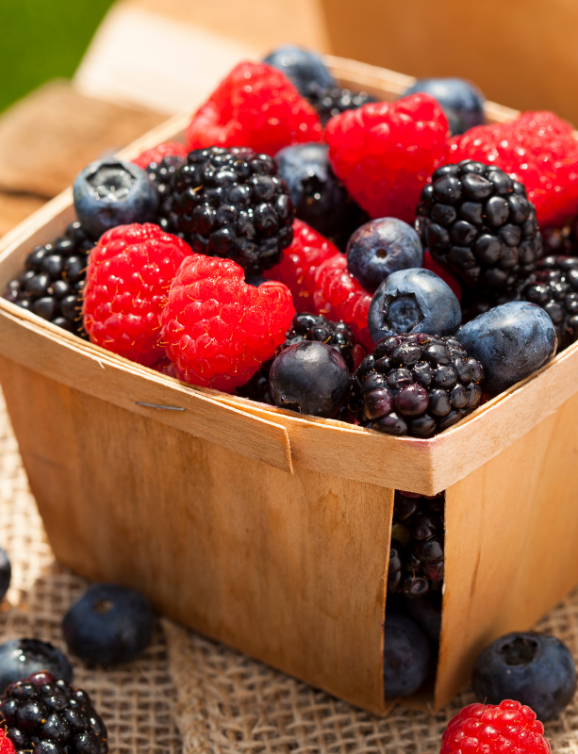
x,y
479,224
416,384
554,287
416,555
48,716
51,283
335,100
161,174
231,203
306,326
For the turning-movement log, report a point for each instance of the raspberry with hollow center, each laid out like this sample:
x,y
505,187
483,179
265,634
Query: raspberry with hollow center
x,y
254,106
339,296
489,729
217,329
539,150
157,154
127,282
300,262
386,152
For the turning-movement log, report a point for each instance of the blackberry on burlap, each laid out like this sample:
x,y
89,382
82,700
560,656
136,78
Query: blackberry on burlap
x,y
53,278
478,223
416,555
48,716
554,287
335,100
415,384
231,203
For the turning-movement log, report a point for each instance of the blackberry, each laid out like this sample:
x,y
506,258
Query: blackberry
x,y
161,174
51,283
415,384
416,555
231,203
315,327
334,100
554,287
479,224
48,716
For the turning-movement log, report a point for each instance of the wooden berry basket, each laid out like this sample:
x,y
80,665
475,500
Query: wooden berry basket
x,y
269,531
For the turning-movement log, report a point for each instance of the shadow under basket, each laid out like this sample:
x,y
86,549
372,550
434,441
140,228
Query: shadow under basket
x,y
269,531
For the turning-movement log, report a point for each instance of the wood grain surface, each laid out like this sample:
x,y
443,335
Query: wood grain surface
x,y
47,138
510,545
287,568
522,52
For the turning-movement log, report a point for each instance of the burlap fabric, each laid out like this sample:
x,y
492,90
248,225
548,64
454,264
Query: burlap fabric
x,y
230,704
136,700
222,701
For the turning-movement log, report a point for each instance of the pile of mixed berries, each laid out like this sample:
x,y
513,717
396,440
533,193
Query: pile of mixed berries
x,y
387,264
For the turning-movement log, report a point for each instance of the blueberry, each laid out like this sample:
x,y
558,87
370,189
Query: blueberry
x,y
406,656
532,668
5,573
310,378
381,247
305,69
412,301
111,192
319,197
459,96
108,624
19,658
427,615
511,341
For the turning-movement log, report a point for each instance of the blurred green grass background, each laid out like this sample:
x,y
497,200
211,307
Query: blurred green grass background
x,y
43,39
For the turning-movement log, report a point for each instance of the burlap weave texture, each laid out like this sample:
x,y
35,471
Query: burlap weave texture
x,y
222,702
136,700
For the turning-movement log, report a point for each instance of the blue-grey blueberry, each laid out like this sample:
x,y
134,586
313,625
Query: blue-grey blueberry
x,y
112,192
406,656
311,378
19,658
304,68
459,96
413,301
381,247
109,624
319,197
510,341
532,668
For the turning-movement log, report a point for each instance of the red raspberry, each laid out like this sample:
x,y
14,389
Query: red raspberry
x,y
217,329
254,106
539,150
300,262
6,745
127,281
338,296
386,152
509,727
158,153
